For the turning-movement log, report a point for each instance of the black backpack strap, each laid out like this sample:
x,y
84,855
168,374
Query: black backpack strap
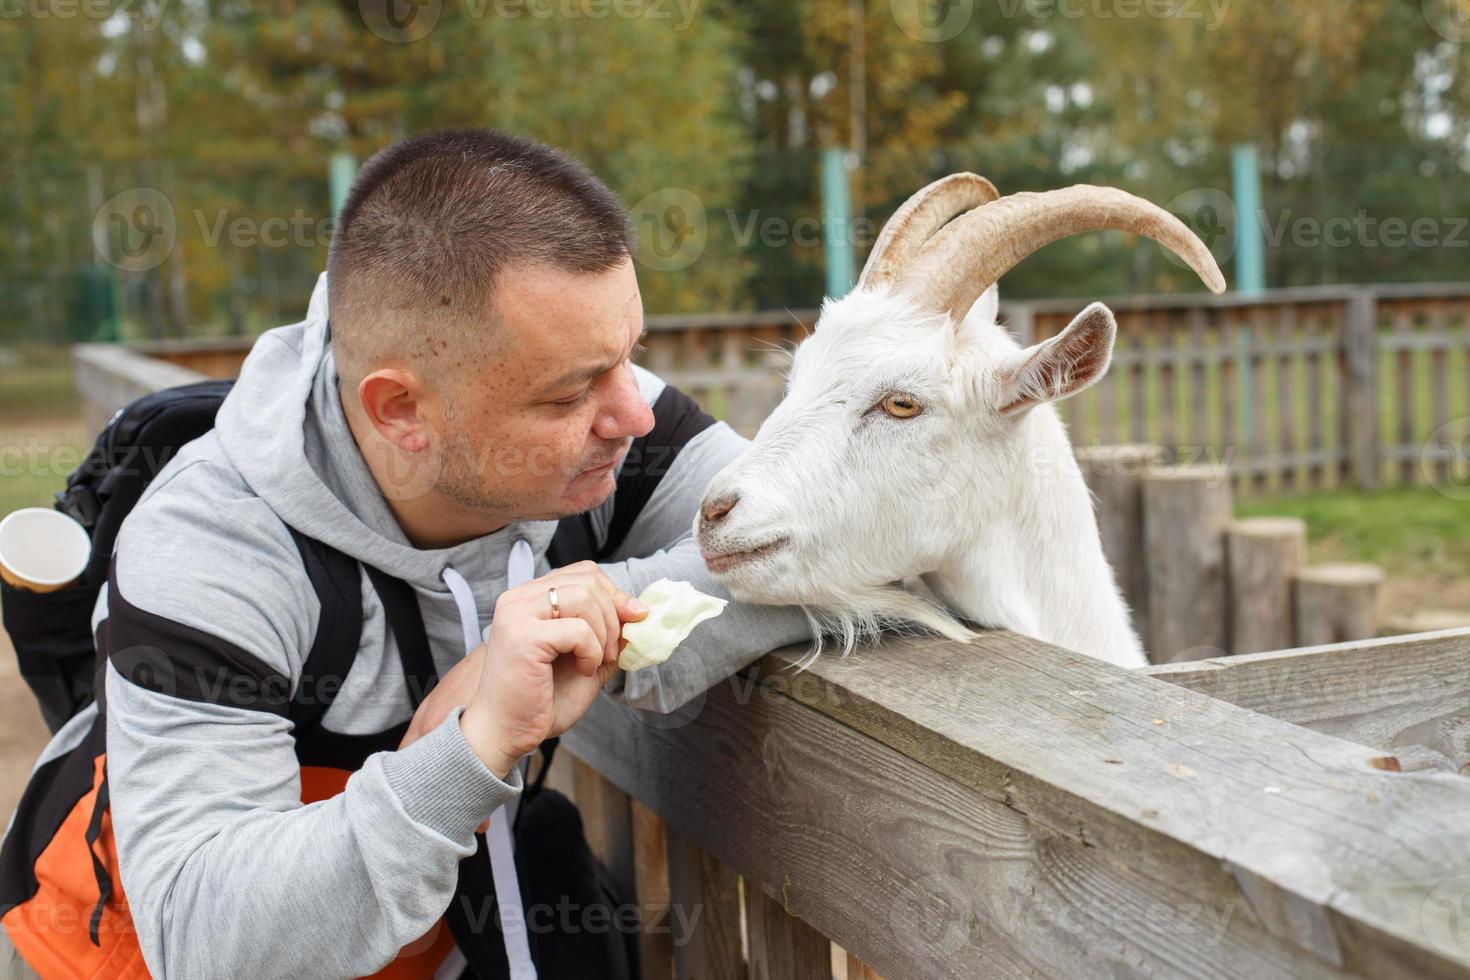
x,y
338,586
406,621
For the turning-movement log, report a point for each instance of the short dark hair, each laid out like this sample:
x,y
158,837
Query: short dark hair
x,y
430,223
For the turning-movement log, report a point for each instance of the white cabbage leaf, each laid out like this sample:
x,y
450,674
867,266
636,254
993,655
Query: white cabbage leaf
x,y
674,609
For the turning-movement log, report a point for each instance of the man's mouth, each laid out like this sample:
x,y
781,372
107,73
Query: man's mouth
x,y
724,561
601,468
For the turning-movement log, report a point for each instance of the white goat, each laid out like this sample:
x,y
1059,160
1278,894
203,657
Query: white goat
x,y
917,438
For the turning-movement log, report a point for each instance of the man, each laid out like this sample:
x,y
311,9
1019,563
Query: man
x,y
474,384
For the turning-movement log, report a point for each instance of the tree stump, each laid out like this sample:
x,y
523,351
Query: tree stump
x,y
1262,554
1337,603
1186,510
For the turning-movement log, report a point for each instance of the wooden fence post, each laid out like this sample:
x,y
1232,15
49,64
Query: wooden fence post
x,y
705,892
783,947
1360,394
607,820
1263,553
1113,475
656,920
1186,510
1336,603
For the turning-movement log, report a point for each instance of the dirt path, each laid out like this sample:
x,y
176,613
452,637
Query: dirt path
x,y
22,733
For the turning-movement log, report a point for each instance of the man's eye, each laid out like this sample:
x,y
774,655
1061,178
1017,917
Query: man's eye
x,y
578,399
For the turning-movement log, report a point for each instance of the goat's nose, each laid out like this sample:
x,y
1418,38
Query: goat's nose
x,y
714,511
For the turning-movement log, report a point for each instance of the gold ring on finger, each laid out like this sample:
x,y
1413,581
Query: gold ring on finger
x,y
555,604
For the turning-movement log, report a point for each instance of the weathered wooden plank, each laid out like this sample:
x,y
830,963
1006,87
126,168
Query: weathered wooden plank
x,y
1007,808
655,907
782,947
1198,419
1439,390
705,893
1316,365
1136,339
858,970
1404,325
109,376
607,820
1169,433
1262,555
561,776
1408,696
1254,374
1358,394
1107,407
1225,378
1185,512
1286,404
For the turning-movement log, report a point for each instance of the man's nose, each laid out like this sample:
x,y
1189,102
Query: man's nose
x,y
627,413
714,511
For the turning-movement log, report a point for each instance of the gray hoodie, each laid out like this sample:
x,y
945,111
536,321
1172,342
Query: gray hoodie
x,y
226,873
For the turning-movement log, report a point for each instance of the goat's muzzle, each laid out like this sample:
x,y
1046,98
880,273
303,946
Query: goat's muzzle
x,y
714,511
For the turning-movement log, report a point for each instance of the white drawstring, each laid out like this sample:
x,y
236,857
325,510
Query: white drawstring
x,y
520,568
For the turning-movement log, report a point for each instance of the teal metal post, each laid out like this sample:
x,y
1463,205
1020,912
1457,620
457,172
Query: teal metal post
x,y
1250,252
837,222
343,169
1250,266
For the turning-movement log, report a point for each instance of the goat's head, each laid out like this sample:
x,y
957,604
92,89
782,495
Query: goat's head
x,y
903,409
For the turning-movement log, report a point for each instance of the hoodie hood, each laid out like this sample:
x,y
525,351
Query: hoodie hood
x,y
283,429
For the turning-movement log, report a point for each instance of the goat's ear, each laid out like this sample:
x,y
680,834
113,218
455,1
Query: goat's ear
x,y
1061,366
987,307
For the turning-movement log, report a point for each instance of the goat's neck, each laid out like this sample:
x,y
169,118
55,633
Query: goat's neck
x,y
1034,563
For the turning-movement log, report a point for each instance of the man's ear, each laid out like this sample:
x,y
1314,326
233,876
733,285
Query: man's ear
x,y
390,399
1061,366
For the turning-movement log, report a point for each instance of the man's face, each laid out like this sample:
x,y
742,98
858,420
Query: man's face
x,y
537,430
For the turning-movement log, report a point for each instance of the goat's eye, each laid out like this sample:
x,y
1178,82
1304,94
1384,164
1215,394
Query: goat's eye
x,y
900,406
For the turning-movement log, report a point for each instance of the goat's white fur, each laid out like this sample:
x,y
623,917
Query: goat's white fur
x,y
987,507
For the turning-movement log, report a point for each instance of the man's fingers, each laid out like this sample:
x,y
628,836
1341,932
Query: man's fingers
x,y
575,637
596,590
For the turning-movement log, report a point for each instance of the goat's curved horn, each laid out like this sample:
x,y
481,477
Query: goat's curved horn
x,y
918,219
972,252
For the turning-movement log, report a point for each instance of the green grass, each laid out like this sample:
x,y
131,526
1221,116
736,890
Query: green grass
x,y
41,437
1413,532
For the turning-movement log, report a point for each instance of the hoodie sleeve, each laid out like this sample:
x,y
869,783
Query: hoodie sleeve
x,y
683,452
226,872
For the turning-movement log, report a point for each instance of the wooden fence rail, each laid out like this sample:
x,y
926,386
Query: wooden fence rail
x,y
1007,808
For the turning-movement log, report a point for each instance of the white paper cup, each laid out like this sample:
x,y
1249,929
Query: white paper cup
x,y
42,549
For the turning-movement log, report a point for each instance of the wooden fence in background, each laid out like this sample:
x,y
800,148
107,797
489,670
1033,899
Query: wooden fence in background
x,y
1302,388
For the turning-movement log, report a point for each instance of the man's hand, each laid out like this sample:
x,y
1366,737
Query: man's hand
x,y
534,676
